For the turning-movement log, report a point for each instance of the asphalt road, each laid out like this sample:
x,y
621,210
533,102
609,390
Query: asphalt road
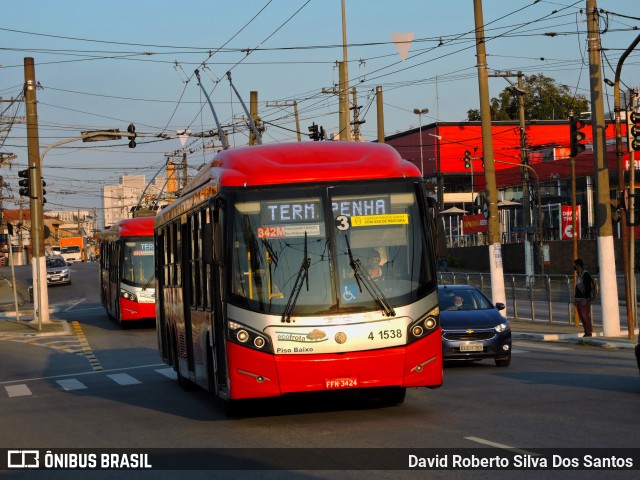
x,y
552,396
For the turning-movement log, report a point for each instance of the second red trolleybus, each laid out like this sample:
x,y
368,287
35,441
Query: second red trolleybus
x,y
300,267
127,278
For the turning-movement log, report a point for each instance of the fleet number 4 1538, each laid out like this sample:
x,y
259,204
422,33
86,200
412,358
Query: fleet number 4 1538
x,y
385,334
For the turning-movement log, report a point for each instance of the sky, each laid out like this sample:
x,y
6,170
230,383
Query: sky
x,y
106,65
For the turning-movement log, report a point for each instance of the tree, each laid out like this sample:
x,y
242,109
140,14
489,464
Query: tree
x,y
545,100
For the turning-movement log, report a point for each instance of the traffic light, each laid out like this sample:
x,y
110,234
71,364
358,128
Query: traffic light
x,y
633,131
615,209
44,184
132,139
467,159
25,183
577,136
315,134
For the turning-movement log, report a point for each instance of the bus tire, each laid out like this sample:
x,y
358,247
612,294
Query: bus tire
x,y
393,395
231,408
211,373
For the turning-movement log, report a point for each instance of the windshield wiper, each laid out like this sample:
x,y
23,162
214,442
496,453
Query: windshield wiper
x,y
363,278
153,276
303,276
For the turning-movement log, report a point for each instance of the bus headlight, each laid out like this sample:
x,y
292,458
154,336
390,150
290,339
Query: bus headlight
x,y
248,337
128,295
242,336
424,325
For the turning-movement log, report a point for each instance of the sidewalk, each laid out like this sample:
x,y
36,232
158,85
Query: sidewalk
x,y
520,329
26,324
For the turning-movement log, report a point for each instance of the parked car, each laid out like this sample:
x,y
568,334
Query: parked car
x,y
57,271
472,327
638,355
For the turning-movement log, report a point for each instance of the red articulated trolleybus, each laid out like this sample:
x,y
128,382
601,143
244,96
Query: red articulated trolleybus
x,y
127,279
300,267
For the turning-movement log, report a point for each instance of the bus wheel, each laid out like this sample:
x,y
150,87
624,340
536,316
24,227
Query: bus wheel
x,y
393,395
211,374
231,408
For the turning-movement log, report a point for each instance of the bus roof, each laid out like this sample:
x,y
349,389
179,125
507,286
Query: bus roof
x,y
288,163
304,162
130,227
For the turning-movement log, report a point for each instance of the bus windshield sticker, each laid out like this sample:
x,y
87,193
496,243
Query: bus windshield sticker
x,y
350,293
380,220
289,231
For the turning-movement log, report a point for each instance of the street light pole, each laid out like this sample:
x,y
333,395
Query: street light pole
x,y
41,293
420,112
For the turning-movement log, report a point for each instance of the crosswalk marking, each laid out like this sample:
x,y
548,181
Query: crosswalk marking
x,y
71,384
123,379
20,390
168,372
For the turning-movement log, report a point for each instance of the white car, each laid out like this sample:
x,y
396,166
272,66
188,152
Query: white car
x,y
57,271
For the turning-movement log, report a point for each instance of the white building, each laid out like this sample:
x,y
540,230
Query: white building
x,y
119,200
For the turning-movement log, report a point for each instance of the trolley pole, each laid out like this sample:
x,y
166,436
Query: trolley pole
x,y
606,256
495,248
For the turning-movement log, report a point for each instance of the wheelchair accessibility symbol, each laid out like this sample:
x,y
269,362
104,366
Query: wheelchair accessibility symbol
x,y
350,293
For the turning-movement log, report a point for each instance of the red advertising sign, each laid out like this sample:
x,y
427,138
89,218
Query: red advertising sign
x,y
474,224
567,221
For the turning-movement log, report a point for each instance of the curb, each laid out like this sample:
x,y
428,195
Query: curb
x,y
62,327
574,339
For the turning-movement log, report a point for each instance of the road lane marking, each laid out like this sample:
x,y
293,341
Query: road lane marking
x,y
500,445
71,384
18,390
74,304
123,379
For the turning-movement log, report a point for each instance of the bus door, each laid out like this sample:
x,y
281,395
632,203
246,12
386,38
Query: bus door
x,y
217,293
186,295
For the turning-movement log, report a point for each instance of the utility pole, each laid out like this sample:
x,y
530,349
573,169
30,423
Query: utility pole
x,y
356,119
380,114
253,110
293,104
343,102
606,256
495,248
38,260
343,98
628,243
524,159
184,170
344,80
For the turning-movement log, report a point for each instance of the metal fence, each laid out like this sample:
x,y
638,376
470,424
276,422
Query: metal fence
x,y
533,297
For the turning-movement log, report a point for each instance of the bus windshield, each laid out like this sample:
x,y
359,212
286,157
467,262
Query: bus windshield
x,y
326,250
137,262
